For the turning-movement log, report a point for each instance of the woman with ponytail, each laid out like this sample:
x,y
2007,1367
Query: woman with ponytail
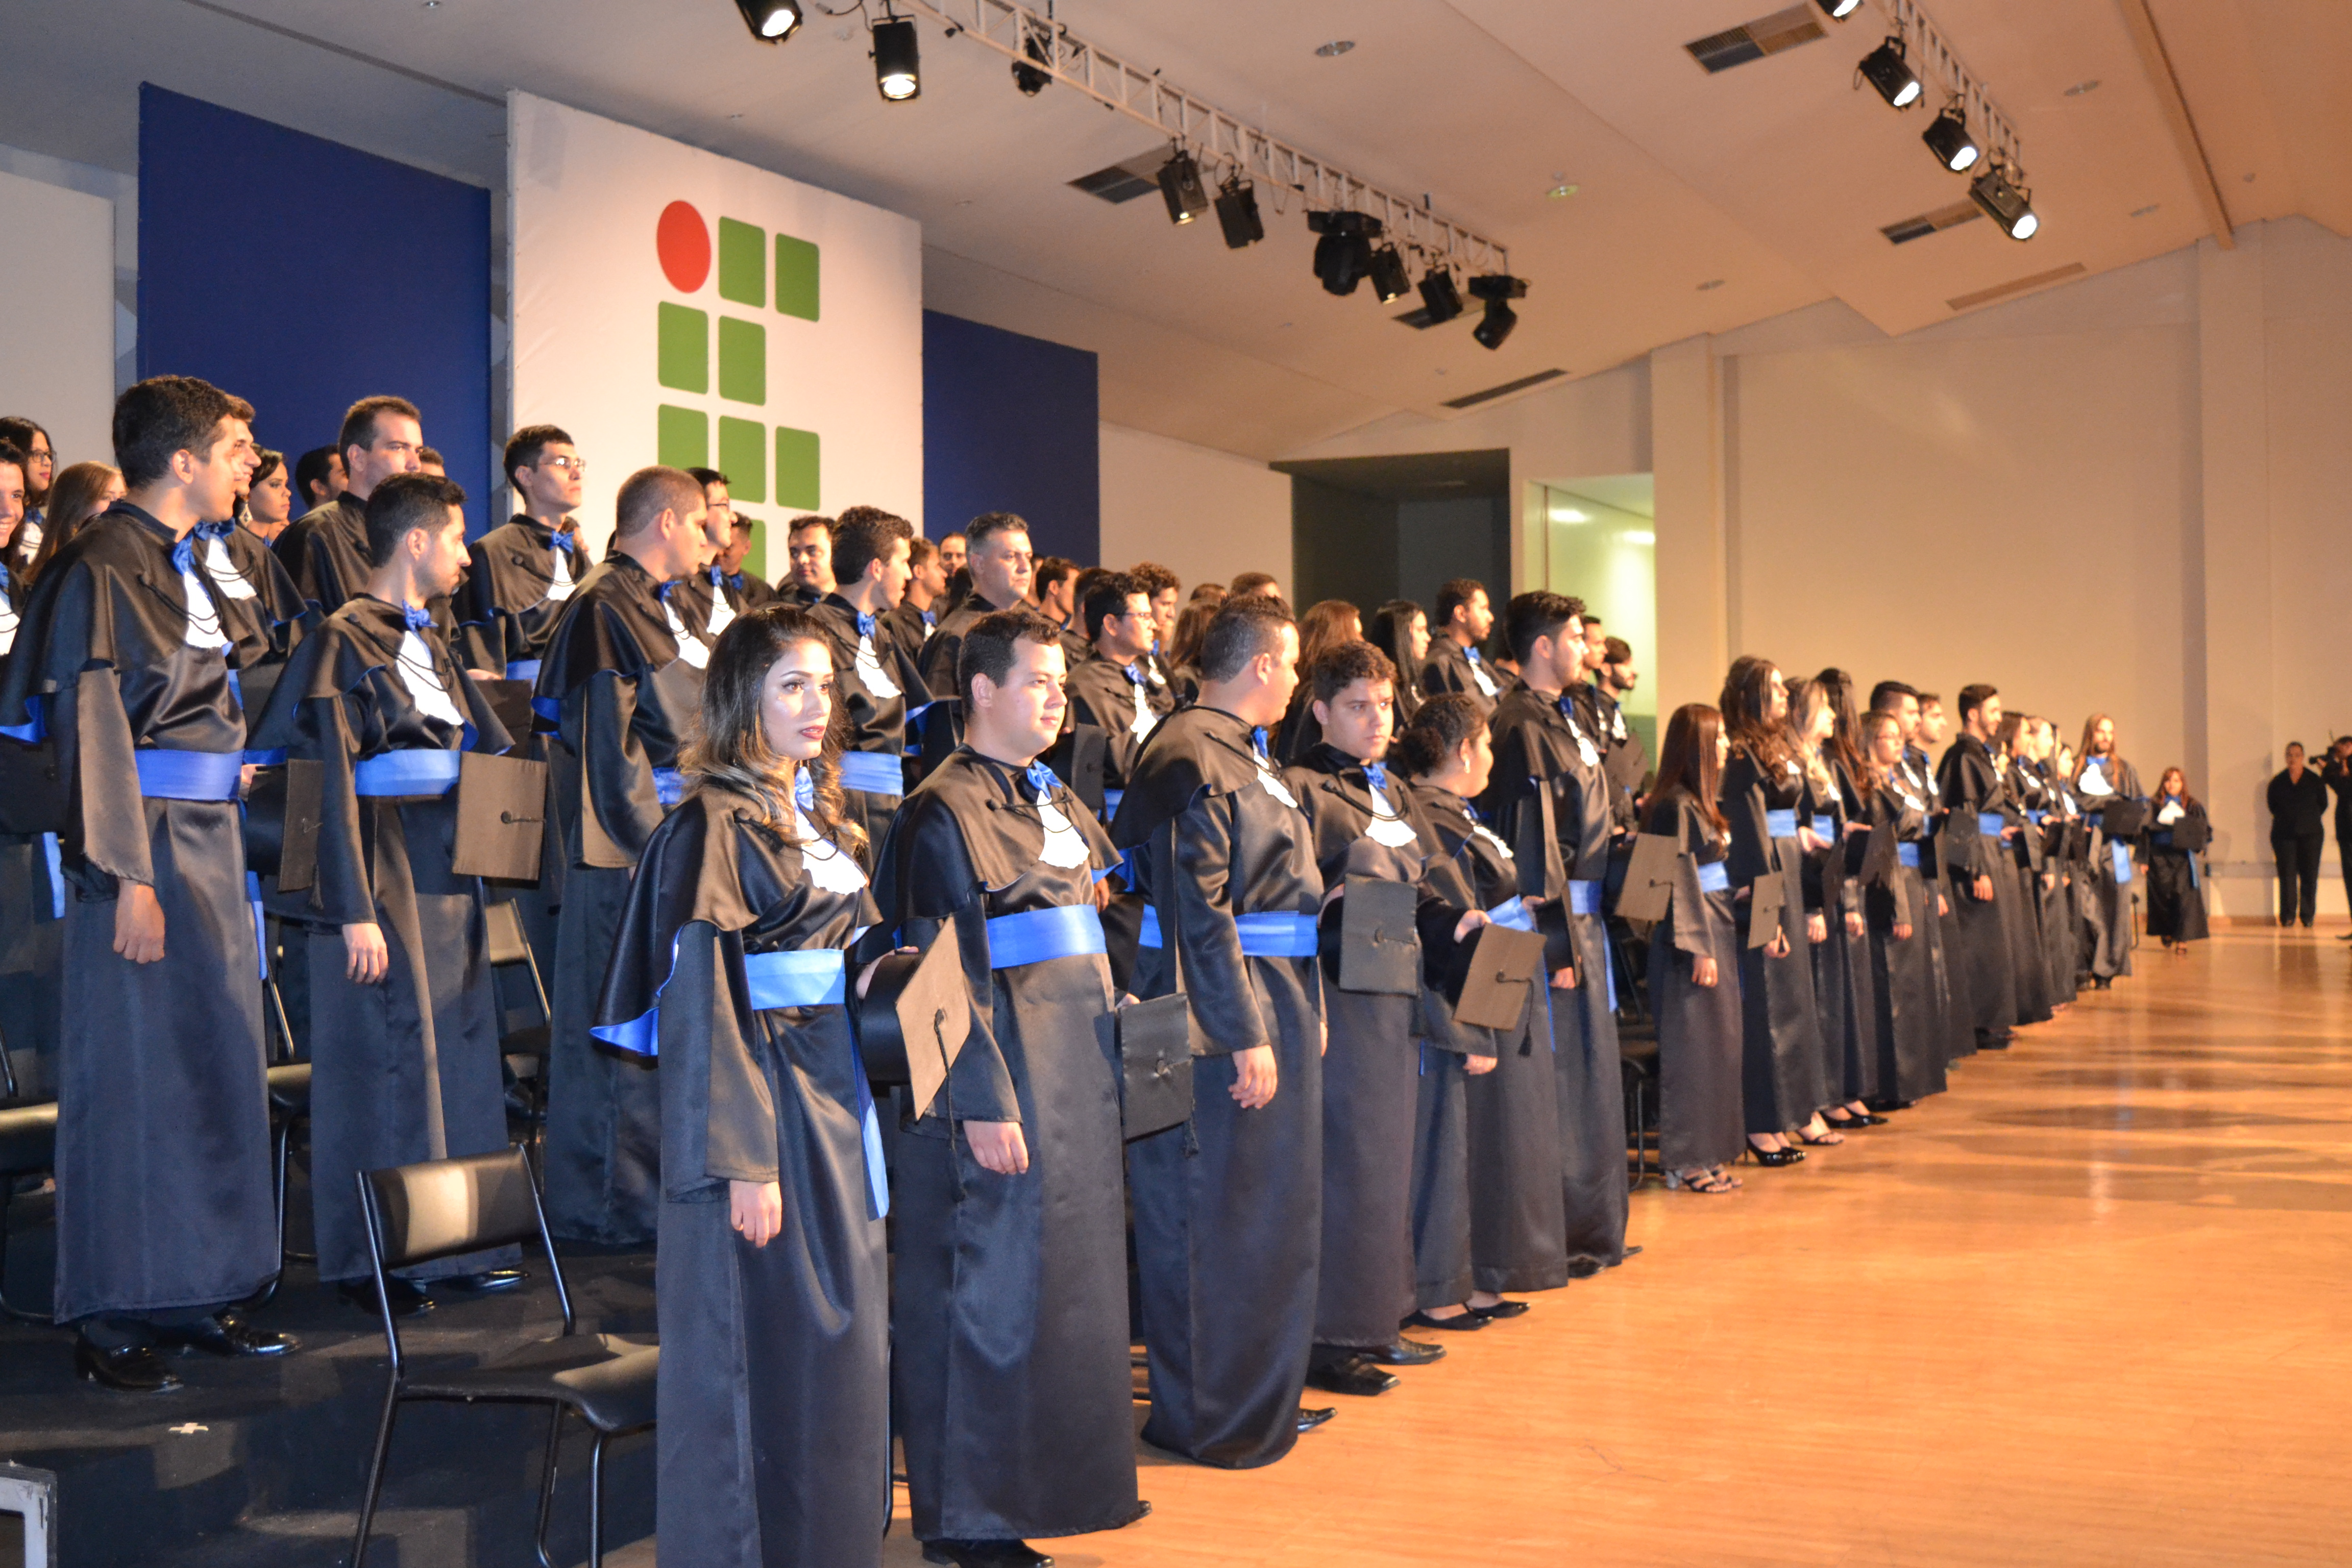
x,y
1695,953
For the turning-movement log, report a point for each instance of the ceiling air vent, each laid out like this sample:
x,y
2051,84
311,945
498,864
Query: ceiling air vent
x,y
1138,177
2015,285
1754,40
1935,222
1472,400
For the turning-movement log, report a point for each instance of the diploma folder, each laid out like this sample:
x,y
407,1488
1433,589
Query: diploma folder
x,y
1488,986
502,816
914,1016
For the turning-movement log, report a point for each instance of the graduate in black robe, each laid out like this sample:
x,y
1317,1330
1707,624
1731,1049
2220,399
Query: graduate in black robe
x,y
324,550
1541,744
522,572
165,1208
32,886
1959,998
1695,963
1463,621
1975,842
1010,1316
2102,777
1846,1001
2021,856
1112,690
1899,903
1002,569
622,682
877,678
405,1045
2178,832
773,1289
1228,1207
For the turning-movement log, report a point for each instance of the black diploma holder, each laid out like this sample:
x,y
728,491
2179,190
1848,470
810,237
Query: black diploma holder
x,y
1156,1038
1768,893
1650,877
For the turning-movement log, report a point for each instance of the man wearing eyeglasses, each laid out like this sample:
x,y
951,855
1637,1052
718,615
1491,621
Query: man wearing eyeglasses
x,y
522,571
325,550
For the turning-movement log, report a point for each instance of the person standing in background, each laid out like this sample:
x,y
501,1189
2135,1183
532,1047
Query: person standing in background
x,y
808,543
40,469
325,550
270,502
2336,774
1465,618
2299,802
319,476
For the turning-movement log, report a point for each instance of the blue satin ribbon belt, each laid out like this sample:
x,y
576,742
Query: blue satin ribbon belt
x,y
34,730
1990,823
1262,935
1908,854
1780,823
873,772
1512,913
2035,818
2122,853
1584,897
813,977
670,785
1714,876
1033,936
410,771
1825,827
52,853
188,776
523,669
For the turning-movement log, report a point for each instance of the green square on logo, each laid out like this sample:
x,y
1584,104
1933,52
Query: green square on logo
x,y
683,359
755,559
742,263
743,458
796,468
682,436
797,277
742,360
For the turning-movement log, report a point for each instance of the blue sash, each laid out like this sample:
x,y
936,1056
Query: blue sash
x,y
1991,823
2035,818
410,771
873,772
1512,913
1714,876
1033,936
260,932
523,669
1780,823
51,853
670,785
34,730
1584,899
2122,853
1908,854
812,977
1262,935
1825,827
188,776
1111,797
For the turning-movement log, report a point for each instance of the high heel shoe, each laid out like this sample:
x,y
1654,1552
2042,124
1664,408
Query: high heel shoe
x,y
1705,1182
1831,1140
1773,1157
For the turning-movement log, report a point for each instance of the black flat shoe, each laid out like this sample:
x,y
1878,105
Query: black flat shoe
x,y
1310,1419
227,1333
1403,1352
1583,1267
985,1554
1355,1377
1773,1157
1629,1252
1500,1310
1462,1323
488,1282
136,1369
408,1299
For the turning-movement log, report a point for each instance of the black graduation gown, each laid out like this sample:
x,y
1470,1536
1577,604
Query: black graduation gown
x,y
509,602
911,626
746,590
1371,1070
1955,1002
1228,1207
774,1405
1971,790
1015,1390
1846,1000
1102,695
1534,740
1701,1115
32,917
325,552
621,680
2175,892
1452,667
2050,810
164,1195
406,1069
2021,856
2108,898
878,682
1904,972
1518,1231
1782,1082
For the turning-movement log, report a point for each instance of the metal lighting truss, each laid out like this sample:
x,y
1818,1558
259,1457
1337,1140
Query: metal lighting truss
x,y
1029,37
1933,59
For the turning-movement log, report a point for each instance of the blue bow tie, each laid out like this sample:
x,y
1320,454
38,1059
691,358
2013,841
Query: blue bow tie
x,y
735,580
718,574
211,531
183,555
1134,674
1377,776
864,624
1257,741
561,539
1042,780
804,787
1471,654
662,592
416,617
930,617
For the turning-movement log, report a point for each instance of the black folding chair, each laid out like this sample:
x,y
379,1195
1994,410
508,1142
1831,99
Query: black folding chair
x,y
526,1048
1638,1063
443,1208
29,1146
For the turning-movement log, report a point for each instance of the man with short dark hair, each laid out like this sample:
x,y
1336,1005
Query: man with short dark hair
x,y
2298,801
325,550
952,551
808,543
1010,1315
405,1028
876,679
1228,1207
1622,757
918,613
1111,689
1167,591
621,680
523,572
1002,572
1973,838
318,477
1262,583
704,600
429,461
1463,621
165,1208
1541,745
745,589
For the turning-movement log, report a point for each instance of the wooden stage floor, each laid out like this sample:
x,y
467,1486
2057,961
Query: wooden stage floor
x,y
2093,1306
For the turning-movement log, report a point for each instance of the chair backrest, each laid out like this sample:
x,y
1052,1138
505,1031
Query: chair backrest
x,y
439,1208
506,945
29,1138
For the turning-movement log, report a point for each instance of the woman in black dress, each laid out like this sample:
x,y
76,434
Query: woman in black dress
x,y
2177,833
774,1304
1401,629
1695,959
1899,902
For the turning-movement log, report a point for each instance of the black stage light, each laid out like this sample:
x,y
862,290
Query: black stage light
x,y
1179,182
1839,10
2005,202
1389,280
897,61
1439,297
1344,255
1237,214
1027,76
1886,68
1498,290
771,21
1948,137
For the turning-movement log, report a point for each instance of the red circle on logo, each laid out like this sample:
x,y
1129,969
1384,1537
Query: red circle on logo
x,y
683,242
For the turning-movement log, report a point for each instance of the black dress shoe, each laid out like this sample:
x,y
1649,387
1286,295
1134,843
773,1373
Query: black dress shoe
x,y
225,1333
1354,1376
1993,1042
134,1369
487,1282
1583,1267
1500,1310
1310,1419
985,1554
1629,1252
1462,1323
1856,1119
1782,1156
1403,1352
1890,1104
408,1297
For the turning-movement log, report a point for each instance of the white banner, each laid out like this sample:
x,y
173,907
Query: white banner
x,y
670,305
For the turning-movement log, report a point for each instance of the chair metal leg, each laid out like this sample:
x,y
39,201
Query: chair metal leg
x,y
375,1475
269,1293
8,1308
288,1146
596,1502
547,1488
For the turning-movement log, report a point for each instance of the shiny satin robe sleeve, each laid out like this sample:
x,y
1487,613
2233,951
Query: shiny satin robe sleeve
x,y
1695,919
1752,853
598,724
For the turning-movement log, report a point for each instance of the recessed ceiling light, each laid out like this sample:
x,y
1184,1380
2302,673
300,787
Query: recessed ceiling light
x,y
1710,285
2080,88
1639,536
2143,212
736,116
1570,514
1560,189
1335,48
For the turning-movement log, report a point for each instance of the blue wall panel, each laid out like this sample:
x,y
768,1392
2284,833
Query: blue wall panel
x,y
1010,424
391,295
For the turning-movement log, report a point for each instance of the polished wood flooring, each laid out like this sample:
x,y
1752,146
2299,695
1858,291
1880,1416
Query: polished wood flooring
x,y
2091,1307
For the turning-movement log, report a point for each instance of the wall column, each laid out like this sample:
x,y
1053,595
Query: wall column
x,y
1687,450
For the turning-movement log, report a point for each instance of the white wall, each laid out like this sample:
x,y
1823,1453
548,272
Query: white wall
x,y
1207,516
58,267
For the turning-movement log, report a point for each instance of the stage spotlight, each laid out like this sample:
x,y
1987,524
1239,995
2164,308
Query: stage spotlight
x,y
897,61
1439,297
1179,182
1886,68
1237,214
2005,202
1498,290
1344,255
1948,137
1839,10
771,21
1389,280
1027,76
